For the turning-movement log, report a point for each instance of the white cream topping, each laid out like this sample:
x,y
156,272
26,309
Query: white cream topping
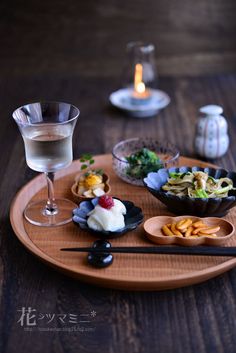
x,y
109,220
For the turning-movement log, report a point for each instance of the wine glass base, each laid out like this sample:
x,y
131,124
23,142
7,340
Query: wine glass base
x,y
34,213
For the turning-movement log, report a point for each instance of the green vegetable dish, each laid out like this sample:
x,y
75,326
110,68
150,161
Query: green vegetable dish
x,y
197,185
143,162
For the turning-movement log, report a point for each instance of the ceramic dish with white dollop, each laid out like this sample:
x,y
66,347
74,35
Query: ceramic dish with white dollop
x,y
132,218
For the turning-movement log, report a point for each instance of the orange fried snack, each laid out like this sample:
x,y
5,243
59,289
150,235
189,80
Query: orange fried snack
x,y
189,229
175,230
165,229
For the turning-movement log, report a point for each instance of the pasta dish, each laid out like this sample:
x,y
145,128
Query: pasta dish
x,y
197,185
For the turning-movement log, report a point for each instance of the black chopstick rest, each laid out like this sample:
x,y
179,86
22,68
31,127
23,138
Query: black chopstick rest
x,y
100,259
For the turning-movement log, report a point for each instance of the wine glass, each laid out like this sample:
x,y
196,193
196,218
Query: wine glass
x,y
47,130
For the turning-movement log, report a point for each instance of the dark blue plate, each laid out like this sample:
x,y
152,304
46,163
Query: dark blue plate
x,y
133,218
217,207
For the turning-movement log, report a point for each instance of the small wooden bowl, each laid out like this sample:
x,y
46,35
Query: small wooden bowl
x,y
153,231
78,198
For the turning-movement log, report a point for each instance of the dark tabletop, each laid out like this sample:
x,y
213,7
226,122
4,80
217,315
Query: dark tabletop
x,y
200,318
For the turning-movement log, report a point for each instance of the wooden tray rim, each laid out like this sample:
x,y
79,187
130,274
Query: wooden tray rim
x,y
103,280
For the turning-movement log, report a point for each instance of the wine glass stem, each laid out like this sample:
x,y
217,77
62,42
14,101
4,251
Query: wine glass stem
x,y
51,207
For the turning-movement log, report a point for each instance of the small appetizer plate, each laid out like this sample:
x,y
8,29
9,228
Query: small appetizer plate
x,y
78,198
154,233
133,218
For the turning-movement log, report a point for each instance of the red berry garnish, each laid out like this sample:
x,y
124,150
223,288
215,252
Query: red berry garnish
x,y
106,201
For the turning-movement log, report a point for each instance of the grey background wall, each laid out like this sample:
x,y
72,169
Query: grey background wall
x,y
89,37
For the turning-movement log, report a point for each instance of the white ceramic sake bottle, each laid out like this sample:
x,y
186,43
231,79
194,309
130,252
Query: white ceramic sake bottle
x,y
212,140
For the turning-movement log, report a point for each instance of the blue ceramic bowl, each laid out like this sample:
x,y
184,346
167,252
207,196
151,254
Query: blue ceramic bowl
x,y
133,218
217,207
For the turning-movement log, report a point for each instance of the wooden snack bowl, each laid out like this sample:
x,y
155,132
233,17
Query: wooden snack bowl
x,y
79,198
154,233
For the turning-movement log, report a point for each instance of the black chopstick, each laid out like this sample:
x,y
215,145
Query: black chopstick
x,y
172,250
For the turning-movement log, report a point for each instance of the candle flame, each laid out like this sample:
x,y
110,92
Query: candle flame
x,y
140,91
140,88
139,85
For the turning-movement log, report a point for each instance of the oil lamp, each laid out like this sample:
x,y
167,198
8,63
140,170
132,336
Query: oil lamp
x,y
139,96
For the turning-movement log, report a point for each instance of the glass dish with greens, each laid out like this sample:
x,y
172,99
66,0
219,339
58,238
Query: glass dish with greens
x,y
143,162
134,158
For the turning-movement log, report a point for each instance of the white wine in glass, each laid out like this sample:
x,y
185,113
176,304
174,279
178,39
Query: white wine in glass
x,y
47,130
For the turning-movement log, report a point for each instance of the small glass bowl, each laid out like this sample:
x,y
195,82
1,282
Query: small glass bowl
x,y
168,154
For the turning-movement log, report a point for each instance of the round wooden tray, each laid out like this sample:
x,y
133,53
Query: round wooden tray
x,y
128,271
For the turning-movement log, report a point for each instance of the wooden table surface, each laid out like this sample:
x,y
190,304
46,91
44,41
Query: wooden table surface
x,y
200,318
